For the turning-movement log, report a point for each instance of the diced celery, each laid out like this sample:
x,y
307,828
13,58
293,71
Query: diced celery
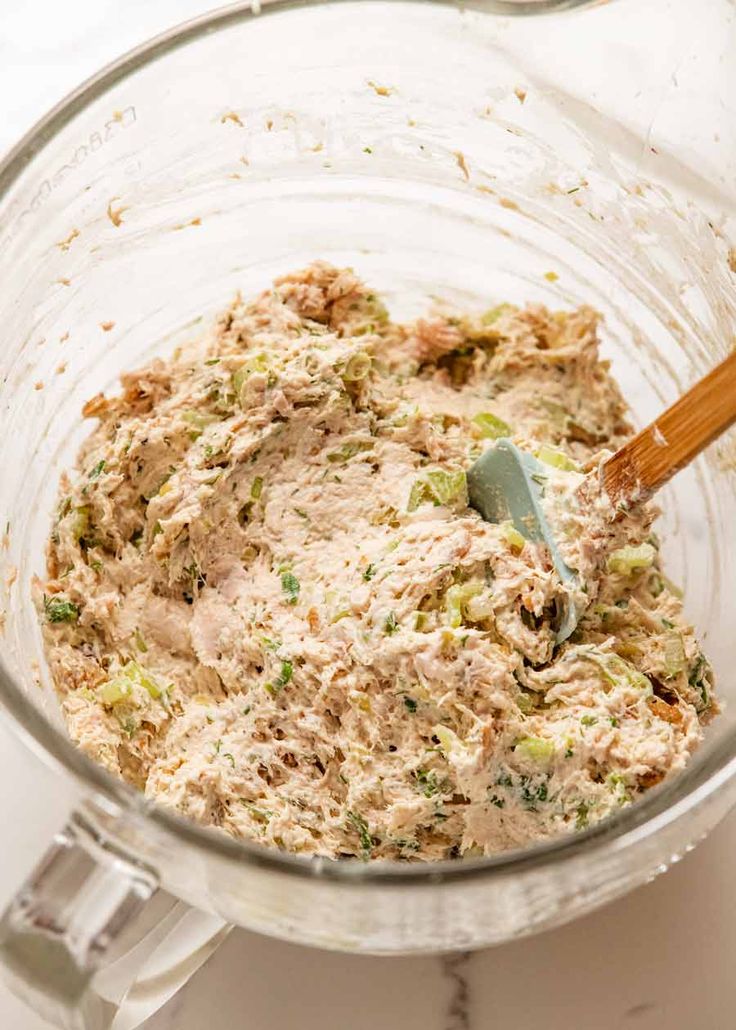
x,y
256,488
456,601
258,363
145,679
454,606
199,420
512,536
348,451
615,669
115,690
493,314
367,313
449,740
239,377
525,702
479,607
80,522
417,495
558,459
446,486
438,486
358,366
628,560
420,621
672,587
361,699
491,427
535,749
674,654
120,687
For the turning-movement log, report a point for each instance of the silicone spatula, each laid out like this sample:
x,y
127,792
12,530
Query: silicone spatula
x,y
507,483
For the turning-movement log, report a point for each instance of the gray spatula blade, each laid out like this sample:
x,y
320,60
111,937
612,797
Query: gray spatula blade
x,y
507,483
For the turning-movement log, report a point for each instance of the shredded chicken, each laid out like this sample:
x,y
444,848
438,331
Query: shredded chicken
x,y
270,607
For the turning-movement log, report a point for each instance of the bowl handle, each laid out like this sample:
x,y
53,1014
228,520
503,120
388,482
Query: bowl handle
x,y
91,941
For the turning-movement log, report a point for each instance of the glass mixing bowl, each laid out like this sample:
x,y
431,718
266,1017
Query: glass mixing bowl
x,y
437,150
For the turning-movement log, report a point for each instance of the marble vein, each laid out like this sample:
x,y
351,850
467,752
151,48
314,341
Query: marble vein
x,y
455,971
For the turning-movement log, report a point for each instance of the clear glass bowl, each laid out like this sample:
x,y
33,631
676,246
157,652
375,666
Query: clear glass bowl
x,y
438,151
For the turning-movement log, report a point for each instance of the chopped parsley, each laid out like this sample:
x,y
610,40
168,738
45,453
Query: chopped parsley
x,y
60,609
287,671
358,823
532,793
369,573
291,587
391,625
427,783
284,677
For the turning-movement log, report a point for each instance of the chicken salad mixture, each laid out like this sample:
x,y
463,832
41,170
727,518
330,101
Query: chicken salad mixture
x,y
269,606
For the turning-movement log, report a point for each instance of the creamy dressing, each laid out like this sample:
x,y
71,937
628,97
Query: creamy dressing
x,y
269,606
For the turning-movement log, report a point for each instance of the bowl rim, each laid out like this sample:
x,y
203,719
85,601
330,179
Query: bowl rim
x,y
660,807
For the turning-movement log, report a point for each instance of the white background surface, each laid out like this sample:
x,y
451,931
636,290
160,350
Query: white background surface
x,y
661,958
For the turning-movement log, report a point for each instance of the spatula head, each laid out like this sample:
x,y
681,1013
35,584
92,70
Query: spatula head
x,y
507,483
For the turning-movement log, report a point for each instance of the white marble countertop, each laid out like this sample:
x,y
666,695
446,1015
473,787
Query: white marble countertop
x,y
660,958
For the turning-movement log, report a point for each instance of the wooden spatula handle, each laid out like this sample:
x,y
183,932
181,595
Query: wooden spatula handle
x,y
672,441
